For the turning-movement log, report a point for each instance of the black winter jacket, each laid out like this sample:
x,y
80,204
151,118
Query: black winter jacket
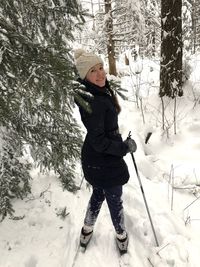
x,y
103,148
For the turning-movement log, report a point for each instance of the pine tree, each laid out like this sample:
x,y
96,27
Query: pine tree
x,y
195,24
151,40
14,175
187,28
122,25
36,98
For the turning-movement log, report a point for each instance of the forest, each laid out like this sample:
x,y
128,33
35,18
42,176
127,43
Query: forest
x,y
151,52
37,74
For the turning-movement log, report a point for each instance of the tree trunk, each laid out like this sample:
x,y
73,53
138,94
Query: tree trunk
x,y
195,24
154,42
171,48
110,41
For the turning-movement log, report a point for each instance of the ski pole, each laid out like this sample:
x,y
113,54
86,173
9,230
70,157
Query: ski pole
x,y
143,194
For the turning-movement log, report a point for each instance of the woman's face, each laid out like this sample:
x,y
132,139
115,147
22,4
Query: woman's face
x,y
97,75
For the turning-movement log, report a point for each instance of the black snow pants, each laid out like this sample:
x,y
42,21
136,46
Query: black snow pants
x,y
114,201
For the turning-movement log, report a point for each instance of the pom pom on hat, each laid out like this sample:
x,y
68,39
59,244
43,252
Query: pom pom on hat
x,y
84,61
78,53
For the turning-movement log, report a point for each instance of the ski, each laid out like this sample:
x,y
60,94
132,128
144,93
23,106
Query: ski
x,y
82,246
122,246
75,256
79,250
124,260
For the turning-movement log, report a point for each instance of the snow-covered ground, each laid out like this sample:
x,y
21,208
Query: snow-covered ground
x,y
42,238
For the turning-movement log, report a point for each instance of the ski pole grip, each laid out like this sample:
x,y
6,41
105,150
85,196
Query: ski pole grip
x,y
129,135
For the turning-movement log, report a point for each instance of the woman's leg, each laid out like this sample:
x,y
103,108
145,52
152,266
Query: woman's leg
x,y
114,201
94,207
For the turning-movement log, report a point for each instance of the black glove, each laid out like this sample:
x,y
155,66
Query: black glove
x,y
132,147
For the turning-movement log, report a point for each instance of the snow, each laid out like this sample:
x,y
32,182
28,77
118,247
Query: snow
x,y
41,237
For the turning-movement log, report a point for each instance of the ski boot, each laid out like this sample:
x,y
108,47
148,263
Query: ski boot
x,y
85,236
122,242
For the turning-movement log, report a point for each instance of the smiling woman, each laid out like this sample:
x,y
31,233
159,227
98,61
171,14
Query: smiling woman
x,y
103,149
97,75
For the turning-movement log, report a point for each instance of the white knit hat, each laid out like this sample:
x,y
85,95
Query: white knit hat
x,y
84,61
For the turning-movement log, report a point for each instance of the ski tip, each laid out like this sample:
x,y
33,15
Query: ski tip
x,y
83,248
125,260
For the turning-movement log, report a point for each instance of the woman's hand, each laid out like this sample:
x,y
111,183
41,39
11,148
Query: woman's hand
x,y
132,146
